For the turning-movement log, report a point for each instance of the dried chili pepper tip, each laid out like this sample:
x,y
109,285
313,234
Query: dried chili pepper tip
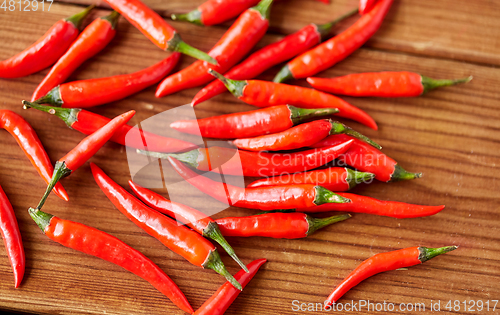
x,y
77,19
177,44
324,195
401,174
317,223
430,84
338,128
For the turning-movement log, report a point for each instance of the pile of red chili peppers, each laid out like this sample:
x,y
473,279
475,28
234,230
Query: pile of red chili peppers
x,y
293,129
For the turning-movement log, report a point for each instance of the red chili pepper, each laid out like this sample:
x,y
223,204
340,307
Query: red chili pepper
x,y
46,50
364,204
257,164
192,246
265,198
384,262
87,123
366,158
264,94
155,28
381,84
271,55
299,136
84,151
93,92
195,219
12,238
234,45
27,139
337,48
250,124
225,296
276,225
213,12
333,178
109,248
365,6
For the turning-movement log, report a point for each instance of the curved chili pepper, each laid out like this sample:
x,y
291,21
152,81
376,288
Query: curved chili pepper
x,y
195,219
271,55
92,40
213,12
250,124
46,50
333,178
265,198
366,158
276,225
381,84
384,262
189,244
96,243
28,140
155,28
337,48
87,123
364,204
257,164
93,92
365,6
225,296
264,94
12,238
84,151
299,136
245,32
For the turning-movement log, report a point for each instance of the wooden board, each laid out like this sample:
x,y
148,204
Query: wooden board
x,y
452,135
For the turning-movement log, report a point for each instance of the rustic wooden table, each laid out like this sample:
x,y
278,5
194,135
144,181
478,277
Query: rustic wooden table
x,y
452,135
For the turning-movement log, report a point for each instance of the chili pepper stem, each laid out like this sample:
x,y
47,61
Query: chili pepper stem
x,y
188,157
323,195
283,75
264,8
430,84
429,253
338,128
325,29
112,18
215,263
316,223
234,86
60,171
68,115
78,18
53,97
401,174
177,44
299,115
41,218
212,231
356,177
192,16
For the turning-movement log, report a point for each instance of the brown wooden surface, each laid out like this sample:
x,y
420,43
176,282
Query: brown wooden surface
x,y
451,135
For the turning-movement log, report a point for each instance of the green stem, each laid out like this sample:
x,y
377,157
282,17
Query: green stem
x,y
284,75
189,157
112,18
355,177
68,115
264,8
430,84
316,223
177,44
212,231
234,86
401,174
193,17
53,97
60,171
325,29
323,195
41,218
215,263
78,18
429,253
338,128
298,115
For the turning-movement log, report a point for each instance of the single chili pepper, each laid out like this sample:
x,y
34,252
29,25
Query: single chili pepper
x,y
225,296
87,123
264,94
366,158
365,6
189,244
46,50
93,92
28,140
155,28
264,198
245,32
84,151
299,136
337,48
384,262
12,238
271,55
92,40
250,124
276,225
213,12
333,178
381,84
96,243
364,204
257,164
195,219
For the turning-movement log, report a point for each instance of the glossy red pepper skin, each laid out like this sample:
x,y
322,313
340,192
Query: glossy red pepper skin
x,y
12,238
337,48
226,294
213,12
109,248
245,32
384,262
366,158
366,5
92,40
28,140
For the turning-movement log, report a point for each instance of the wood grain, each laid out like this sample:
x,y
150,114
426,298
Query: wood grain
x,y
452,135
